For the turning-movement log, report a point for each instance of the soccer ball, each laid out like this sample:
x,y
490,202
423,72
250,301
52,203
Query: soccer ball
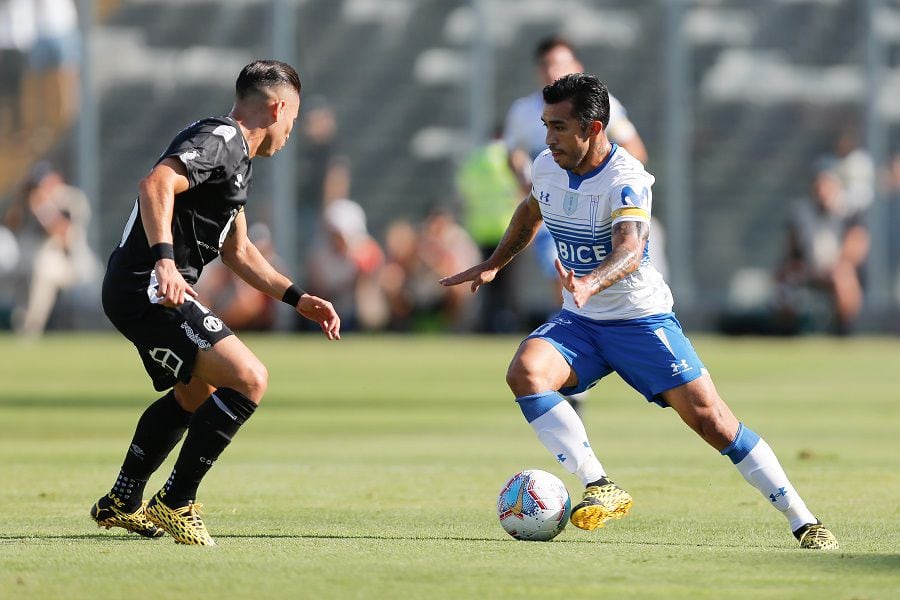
x,y
534,505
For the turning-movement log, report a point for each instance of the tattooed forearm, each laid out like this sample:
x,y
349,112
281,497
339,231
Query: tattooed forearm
x,y
518,235
629,238
518,240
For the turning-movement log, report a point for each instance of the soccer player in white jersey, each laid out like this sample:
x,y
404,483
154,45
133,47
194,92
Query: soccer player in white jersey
x,y
617,313
523,134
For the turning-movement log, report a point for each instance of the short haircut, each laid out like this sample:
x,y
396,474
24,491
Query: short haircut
x,y
589,96
549,43
263,74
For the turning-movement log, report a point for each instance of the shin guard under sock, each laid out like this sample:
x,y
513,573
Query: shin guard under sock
x,y
213,426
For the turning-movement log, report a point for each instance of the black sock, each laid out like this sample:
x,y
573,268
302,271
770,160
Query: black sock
x,y
158,430
211,430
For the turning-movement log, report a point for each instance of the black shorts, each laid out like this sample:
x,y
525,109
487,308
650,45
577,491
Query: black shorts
x,y
167,339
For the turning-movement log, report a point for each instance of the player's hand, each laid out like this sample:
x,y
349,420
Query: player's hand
x,y
582,288
171,285
478,275
322,312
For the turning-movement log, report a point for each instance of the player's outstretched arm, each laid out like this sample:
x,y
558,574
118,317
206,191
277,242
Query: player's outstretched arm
x,y
628,239
322,312
157,202
521,230
243,257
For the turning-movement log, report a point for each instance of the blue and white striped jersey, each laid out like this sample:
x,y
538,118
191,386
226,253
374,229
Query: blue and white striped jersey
x,y
580,212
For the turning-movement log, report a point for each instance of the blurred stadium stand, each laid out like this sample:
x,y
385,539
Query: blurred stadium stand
x,y
769,86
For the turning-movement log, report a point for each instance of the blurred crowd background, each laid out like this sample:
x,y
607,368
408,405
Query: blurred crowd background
x,y
771,128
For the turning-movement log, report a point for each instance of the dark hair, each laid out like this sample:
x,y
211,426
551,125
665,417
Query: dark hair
x,y
589,96
549,43
262,74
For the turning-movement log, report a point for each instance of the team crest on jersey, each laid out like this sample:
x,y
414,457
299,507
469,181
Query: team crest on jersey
x,y
212,323
570,203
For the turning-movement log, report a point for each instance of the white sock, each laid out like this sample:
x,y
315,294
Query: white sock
x,y
561,431
579,397
760,467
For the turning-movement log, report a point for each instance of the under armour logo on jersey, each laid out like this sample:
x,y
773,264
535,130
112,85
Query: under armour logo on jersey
x,y
561,458
544,197
782,492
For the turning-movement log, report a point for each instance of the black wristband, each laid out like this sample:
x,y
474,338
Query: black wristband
x,y
292,295
163,250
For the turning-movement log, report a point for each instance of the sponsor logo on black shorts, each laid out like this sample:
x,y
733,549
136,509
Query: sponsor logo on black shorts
x,y
212,323
201,343
168,359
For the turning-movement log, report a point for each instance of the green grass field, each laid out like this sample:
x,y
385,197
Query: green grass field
x,y
372,468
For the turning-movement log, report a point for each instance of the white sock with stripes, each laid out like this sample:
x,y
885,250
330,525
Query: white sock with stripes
x,y
562,432
756,461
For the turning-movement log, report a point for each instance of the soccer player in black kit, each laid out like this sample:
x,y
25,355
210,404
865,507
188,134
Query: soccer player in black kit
x,y
190,211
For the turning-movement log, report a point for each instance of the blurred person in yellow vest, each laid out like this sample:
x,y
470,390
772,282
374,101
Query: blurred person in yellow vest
x,y
490,193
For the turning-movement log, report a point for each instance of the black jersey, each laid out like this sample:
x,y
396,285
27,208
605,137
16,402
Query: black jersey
x,y
216,157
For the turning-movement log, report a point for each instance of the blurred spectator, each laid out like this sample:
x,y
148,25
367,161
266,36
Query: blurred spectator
x,y
344,265
403,274
236,302
416,260
490,194
856,171
9,259
827,245
892,181
323,174
446,249
55,59
17,33
50,220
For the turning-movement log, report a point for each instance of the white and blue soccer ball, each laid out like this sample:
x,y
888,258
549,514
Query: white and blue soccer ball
x,y
534,505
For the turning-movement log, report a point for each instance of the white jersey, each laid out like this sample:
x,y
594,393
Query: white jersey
x,y
580,212
524,130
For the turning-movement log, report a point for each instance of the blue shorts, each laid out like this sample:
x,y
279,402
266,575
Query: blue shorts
x,y
651,354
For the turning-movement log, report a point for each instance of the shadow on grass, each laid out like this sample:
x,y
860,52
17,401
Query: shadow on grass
x,y
263,536
804,559
98,537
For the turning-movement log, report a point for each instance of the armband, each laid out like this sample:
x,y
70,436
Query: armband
x,y
163,250
292,295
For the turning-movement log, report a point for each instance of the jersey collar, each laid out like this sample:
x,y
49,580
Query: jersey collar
x,y
241,133
576,180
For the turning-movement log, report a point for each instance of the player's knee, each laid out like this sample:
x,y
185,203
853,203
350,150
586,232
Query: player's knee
x,y
523,379
254,379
